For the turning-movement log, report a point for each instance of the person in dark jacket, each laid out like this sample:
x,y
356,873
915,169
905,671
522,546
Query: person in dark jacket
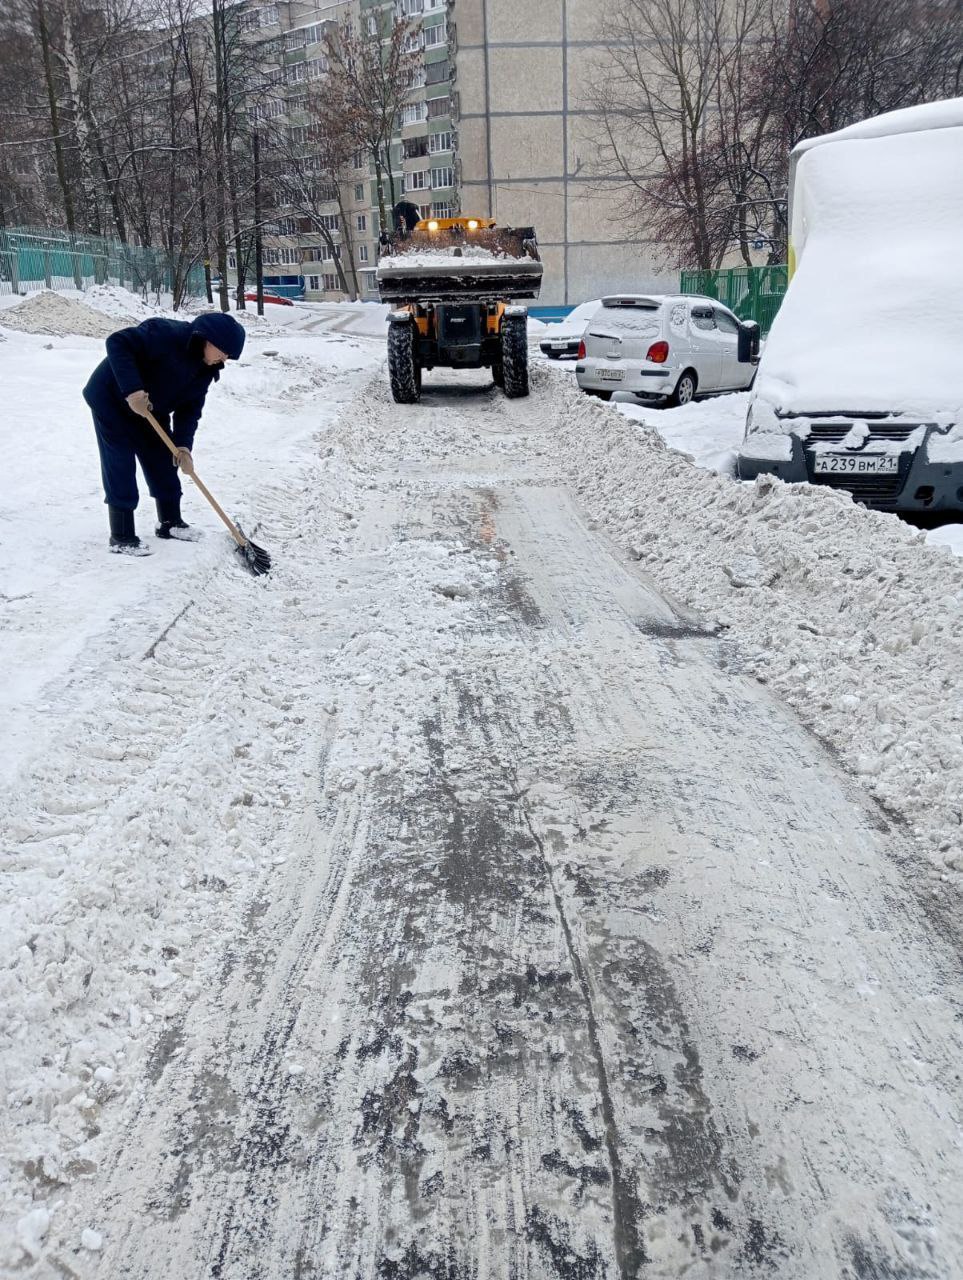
x,y
166,367
406,217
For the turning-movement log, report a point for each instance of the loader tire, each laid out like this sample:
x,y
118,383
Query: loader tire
x,y
404,371
515,356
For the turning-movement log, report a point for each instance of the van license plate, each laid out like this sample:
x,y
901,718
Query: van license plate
x,y
611,375
855,464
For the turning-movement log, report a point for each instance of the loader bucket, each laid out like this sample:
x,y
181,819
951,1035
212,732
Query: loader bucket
x,y
490,265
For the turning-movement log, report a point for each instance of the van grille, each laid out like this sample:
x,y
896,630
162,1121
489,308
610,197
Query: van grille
x,y
834,432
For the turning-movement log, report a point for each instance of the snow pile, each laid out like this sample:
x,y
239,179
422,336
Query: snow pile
x,y
58,315
709,431
872,320
845,611
121,304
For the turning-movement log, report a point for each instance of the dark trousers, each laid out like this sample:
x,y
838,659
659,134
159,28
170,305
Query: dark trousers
x,y
120,444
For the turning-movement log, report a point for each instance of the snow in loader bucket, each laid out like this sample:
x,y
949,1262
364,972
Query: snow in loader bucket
x,y
490,265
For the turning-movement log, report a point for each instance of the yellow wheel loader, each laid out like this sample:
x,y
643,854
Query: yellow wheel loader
x,y
455,285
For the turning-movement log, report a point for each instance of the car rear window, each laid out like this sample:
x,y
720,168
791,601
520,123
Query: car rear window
x,y
641,322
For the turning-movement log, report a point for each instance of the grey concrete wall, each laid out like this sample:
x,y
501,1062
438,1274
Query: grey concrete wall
x,y
526,143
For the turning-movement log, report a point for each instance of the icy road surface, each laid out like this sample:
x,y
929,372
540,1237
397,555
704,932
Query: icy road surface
x,y
576,956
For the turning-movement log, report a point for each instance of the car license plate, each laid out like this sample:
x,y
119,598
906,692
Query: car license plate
x,y
611,375
856,464
559,346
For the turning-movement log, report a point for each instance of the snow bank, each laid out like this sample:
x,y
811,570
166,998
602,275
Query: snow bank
x,y
844,611
57,315
709,431
871,320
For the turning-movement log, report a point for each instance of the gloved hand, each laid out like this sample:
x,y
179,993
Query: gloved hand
x,y
185,461
139,401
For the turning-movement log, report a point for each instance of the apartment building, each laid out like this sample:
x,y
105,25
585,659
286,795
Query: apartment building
x,y
422,154
525,139
496,123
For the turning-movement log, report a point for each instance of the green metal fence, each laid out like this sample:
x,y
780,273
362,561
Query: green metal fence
x,y
38,258
753,293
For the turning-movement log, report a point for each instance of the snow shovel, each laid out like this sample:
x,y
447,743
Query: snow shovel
x,y
255,557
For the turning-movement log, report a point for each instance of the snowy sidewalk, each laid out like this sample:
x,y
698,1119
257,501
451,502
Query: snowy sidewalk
x,y
446,900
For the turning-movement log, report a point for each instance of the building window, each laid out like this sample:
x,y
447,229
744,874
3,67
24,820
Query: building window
x,y
413,112
414,147
328,220
434,36
286,227
438,72
269,15
316,67
330,283
299,135
412,42
359,191
370,281
417,181
443,209
362,221
357,160
411,7
372,24
313,282
439,142
362,253
295,73
442,177
231,262
295,40
438,107
417,77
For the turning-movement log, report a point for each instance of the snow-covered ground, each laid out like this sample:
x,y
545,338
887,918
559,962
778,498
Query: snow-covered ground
x,y
456,822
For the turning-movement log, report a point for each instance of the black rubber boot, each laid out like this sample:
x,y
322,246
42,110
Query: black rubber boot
x,y
123,534
170,523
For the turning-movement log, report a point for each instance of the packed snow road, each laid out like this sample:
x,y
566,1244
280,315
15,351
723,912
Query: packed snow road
x,y
574,954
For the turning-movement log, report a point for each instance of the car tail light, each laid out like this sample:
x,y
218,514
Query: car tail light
x,y
581,350
658,353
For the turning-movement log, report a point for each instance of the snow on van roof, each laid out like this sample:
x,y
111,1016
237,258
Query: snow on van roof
x,y
872,320
929,115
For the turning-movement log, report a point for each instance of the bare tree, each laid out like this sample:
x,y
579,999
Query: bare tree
x,y
699,102
371,70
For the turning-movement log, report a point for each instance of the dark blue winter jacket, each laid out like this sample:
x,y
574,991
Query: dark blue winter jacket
x,y
165,358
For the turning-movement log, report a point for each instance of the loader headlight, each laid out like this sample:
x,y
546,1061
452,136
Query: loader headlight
x,y
433,225
472,224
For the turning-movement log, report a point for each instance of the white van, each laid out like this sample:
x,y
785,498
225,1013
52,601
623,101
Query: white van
x,y
667,349
860,386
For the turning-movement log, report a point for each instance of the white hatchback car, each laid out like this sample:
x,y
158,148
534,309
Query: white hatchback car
x,y
668,349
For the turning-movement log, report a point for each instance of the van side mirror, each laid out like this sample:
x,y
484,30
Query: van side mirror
x,y
748,342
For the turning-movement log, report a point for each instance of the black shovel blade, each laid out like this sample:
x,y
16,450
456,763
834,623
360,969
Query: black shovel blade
x,y
255,558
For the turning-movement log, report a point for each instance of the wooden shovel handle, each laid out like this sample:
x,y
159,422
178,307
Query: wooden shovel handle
x,y
234,531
